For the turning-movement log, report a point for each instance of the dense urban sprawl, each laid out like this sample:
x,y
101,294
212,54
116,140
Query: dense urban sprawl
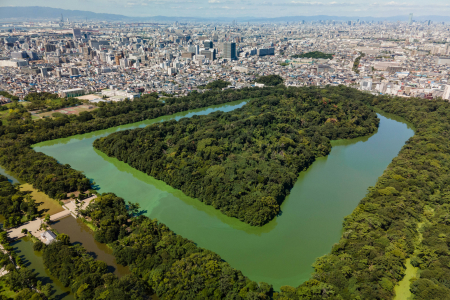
x,y
118,61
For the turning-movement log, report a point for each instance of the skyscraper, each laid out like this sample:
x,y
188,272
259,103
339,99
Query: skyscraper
x,y
208,44
76,33
410,18
229,51
50,48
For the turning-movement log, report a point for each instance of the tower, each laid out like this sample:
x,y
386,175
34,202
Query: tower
x,y
229,51
410,18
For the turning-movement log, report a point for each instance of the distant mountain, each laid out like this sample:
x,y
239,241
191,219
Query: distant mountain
x,y
33,13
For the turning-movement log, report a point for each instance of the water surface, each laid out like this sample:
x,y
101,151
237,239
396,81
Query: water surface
x,y
281,252
80,233
33,261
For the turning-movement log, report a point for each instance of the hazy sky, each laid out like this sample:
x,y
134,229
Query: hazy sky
x,y
255,8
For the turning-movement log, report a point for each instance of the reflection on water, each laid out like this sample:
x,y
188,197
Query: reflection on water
x,y
33,261
80,233
11,177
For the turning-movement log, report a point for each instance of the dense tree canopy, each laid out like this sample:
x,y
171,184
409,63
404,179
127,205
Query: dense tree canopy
x,y
217,84
314,54
270,80
88,278
18,278
412,196
15,206
367,263
49,101
8,95
173,266
246,161
56,180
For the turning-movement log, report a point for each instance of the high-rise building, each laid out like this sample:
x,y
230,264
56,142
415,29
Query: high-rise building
x,y
209,54
32,55
124,63
410,18
191,49
102,56
208,44
74,71
76,33
117,59
19,55
50,48
265,51
229,51
44,72
87,53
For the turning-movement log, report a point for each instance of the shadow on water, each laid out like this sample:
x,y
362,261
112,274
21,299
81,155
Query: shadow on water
x,y
82,235
33,261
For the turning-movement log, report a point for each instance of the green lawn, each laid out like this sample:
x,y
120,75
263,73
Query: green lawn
x,y
47,204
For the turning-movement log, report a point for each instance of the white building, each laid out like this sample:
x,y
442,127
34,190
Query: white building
x,y
119,95
366,85
446,95
13,63
49,237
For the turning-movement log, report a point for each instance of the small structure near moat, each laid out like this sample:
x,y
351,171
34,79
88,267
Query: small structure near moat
x,y
48,237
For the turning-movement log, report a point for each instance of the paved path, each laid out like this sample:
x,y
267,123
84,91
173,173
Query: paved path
x,y
71,206
60,215
33,226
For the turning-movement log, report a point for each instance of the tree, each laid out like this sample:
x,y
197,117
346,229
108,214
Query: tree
x,y
63,238
47,218
270,80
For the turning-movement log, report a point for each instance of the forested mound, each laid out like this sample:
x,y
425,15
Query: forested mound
x,y
174,267
382,231
366,264
246,161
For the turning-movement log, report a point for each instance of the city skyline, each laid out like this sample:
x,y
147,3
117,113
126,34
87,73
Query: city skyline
x,y
247,8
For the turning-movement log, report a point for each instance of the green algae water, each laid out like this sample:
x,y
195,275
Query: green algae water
x,y
33,261
281,252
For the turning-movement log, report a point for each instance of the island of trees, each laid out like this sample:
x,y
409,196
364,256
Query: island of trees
x,y
314,54
246,161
